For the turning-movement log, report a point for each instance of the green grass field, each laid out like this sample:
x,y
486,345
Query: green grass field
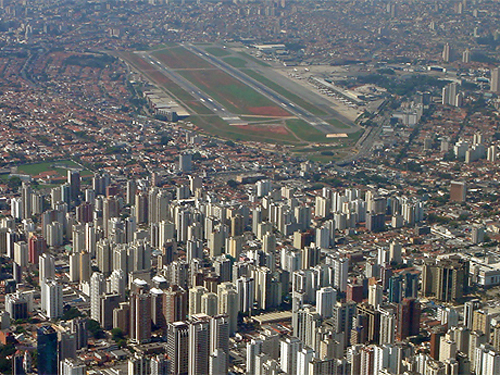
x,y
60,167
217,52
37,168
307,132
337,123
236,62
356,135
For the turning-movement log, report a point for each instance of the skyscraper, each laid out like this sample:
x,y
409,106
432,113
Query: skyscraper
x,y
47,350
408,319
341,267
446,53
160,365
178,346
36,247
326,298
466,56
290,348
219,343
52,296
445,280
185,162
47,268
457,191
79,327
97,289
495,80
175,304
199,345
139,365
73,367
229,304
74,183
140,312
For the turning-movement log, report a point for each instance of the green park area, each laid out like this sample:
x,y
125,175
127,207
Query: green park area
x,y
60,167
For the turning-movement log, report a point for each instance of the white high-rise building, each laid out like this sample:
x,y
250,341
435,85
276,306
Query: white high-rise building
x,y
326,298
447,349
21,253
487,360
229,304
55,232
97,288
73,367
395,252
341,270
166,232
375,293
160,365
195,295
16,208
323,237
322,207
74,267
139,365
90,239
47,271
52,299
219,333
446,53
305,356
254,348
289,353
263,187
387,324
117,283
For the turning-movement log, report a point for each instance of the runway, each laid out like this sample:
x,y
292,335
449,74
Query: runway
x,y
194,90
262,89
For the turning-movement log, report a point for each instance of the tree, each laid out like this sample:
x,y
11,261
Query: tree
x,y
14,182
232,184
117,334
71,313
95,329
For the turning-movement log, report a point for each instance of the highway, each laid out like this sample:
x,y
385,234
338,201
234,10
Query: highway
x,y
283,102
367,140
189,87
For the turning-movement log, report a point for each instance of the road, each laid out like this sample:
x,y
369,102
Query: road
x,y
262,89
189,87
366,142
